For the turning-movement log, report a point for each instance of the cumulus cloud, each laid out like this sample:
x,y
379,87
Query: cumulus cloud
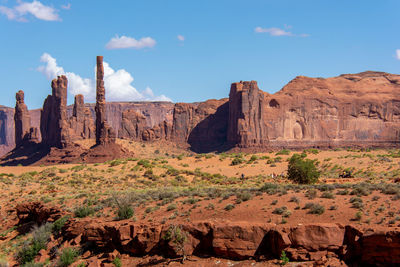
x,y
124,42
35,8
181,38
278,32
398,54
118,83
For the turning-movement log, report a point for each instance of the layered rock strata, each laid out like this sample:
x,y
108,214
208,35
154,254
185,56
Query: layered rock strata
x,y
104,133
81,122
53,122
22,119
325,244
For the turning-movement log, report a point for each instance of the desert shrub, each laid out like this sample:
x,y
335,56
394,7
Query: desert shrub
x,y
315,208
311,193
283,152
342,192
117,262
294,199
28,264
171,207
237,160
38,241
229,207
244,196
67,257
59,224
361,190
124,209
83,211
145,163
302,171
148,173
284,259
328,195
358,216
178,237
282,211
356,202
311,150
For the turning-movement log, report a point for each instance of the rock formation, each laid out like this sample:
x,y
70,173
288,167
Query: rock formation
x,y
349,110
133,125
104,133
81,121
22,119
53,123
245,115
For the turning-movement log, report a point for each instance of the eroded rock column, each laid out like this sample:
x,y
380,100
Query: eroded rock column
x,y
53,123
22,119
104,133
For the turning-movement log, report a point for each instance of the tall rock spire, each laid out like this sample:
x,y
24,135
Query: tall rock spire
x,y
104,133
53,122
22,119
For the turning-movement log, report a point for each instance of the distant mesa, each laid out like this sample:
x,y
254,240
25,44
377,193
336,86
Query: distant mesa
x,y
357,110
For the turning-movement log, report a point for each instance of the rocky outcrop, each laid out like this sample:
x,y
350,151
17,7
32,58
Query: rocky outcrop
x,y
24,133
349,110
22,119
245,115
104,133
53,123
133,125
240,241
7,130
81,122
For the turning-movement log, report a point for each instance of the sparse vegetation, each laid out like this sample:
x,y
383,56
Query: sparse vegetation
x,y
302,171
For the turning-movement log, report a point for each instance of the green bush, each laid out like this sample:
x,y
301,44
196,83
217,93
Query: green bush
x,y
284,259
117,262
39,240
58,224
283,152
67,257
229,207
83,211
237,161
302,171
315,208
125,210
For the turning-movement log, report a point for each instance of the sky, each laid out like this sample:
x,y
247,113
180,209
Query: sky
x,y
186,50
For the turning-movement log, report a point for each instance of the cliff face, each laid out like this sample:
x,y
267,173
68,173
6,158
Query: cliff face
x,y
349,110
355,109
154,112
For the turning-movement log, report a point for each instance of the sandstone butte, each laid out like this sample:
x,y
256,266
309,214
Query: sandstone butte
x,y
360,110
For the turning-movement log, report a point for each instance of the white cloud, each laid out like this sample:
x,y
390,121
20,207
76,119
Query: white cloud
x,y
398,54
278,32
36,9
67,6
181,38
124,42
118,83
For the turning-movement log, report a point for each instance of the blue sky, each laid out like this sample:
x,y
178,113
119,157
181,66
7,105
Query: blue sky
x,y
190,51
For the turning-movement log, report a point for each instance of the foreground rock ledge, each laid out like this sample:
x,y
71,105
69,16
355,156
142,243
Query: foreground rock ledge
x,y
320,242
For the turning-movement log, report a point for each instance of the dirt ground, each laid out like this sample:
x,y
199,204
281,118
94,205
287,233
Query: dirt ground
x,y
163,183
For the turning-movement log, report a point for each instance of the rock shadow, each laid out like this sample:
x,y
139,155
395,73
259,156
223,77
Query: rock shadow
x,y
210,135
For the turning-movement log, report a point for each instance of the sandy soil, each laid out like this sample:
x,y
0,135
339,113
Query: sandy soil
x,y
166,184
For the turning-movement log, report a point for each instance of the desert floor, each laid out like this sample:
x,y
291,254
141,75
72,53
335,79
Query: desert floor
x,y
166,184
